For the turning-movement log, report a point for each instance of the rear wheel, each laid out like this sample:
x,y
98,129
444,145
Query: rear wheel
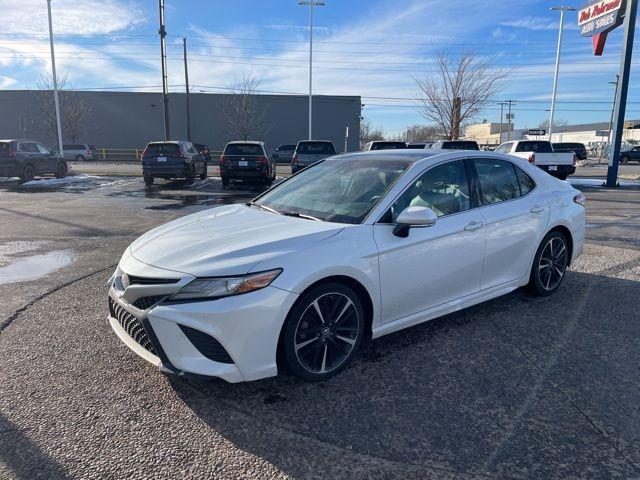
x,y
322,332
148,180
28,174
550,264
61,170
624,160
191,174
203,175
80,158
225,182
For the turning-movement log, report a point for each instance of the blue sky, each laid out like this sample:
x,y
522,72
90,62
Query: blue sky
x,y
374,48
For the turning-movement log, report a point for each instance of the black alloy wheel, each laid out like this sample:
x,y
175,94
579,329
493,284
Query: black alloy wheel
x,y
550,264
28,174
323,331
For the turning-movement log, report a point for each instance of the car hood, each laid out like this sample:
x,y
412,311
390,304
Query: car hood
x,y
228,240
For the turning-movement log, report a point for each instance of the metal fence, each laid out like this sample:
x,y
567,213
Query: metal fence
x,y
128,154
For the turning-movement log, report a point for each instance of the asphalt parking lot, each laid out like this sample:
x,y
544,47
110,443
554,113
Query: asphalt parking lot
x,y
514,388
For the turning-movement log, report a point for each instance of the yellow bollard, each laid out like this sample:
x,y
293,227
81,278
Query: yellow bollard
x,y
104,153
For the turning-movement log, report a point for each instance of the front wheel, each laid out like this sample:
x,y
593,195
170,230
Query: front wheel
x,y
80,158
203,175
148,180
225,182
322,332
28,174
61,170
549,265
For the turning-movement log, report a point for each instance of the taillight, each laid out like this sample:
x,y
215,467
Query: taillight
x,y
532,158
580,199
575,159
223,160
263,160
294,160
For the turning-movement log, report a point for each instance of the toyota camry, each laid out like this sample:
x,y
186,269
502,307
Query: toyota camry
x,y
353,247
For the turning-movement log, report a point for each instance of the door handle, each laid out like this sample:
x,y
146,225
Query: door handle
x,y
471,226
537,209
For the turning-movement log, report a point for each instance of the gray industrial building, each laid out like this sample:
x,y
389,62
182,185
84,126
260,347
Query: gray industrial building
x,y
126,120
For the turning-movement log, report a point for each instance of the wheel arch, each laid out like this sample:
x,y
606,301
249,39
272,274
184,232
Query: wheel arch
x,y
564,230
355,285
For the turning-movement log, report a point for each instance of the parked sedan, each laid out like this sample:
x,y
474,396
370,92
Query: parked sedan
x,y
177,159
358,245
632,154
247,161
27,158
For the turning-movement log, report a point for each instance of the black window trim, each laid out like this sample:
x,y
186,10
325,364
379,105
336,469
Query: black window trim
x,y
415,178
484,205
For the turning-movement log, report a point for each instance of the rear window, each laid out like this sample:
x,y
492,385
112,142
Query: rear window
x,y
460,146
73,147
316,148
538,147
388,145
243,149
5,148
282,148
163,149
416,146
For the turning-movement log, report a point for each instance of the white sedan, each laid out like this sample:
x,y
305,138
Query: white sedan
x,y
358,245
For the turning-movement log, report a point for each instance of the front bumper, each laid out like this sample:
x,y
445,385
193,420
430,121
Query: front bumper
x,y
246,326
244,174
169,170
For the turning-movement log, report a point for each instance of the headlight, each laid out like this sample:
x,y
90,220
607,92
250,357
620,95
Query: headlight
x,y
217,287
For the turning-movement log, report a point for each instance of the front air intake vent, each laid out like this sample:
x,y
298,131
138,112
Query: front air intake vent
x,y
206,345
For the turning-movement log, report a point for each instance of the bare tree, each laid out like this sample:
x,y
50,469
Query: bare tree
x,y
421,133
245,118
74,111
544,124
462,87
369,133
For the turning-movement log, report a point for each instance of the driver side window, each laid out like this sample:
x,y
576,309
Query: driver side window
x,y
443,188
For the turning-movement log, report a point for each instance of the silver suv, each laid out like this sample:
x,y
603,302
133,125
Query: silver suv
x,y
78,152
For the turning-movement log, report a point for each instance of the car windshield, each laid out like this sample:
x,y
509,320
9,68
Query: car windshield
x,y
163,149
307,148
460,146
342,190
243,149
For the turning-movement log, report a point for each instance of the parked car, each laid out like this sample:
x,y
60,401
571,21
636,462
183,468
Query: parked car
x,y
174,159
541,154
455,145
311,151
632,154
204,151
27,159
247,161
358,245
578,148
284,153
419,145
77,152
384,145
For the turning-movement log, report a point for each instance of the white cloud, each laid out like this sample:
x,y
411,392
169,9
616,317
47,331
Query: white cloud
x,y
539,23
85,17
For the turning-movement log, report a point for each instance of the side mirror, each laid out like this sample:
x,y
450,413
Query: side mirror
x,y
275,155
414,217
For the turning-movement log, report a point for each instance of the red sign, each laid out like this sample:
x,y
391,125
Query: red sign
x,y
598,19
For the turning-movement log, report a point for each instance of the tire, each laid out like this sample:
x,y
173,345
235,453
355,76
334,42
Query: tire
x,y
61,170
203,175
317,346
225,182
28,174
191,175
563,176
80,158
148,180
549,264
624,160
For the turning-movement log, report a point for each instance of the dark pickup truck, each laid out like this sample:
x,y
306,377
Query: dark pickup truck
x,y
632,154
578,148
27,159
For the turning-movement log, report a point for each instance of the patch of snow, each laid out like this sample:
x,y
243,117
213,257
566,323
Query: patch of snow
x,y
56,182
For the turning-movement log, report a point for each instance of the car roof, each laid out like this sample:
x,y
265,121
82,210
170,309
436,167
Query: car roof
x,y
307,141
175,142
407,155
254,142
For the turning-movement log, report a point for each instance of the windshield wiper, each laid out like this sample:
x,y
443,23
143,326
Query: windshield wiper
x,y
301,215
264,207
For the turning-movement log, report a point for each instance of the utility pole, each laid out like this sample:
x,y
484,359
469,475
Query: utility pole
x,y
509,118
346,139
186,83
55,81
311,4
502,104
163,57
562,10
622,90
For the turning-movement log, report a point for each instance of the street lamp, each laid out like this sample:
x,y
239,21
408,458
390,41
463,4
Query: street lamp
x,y
56,101
311,4
561,9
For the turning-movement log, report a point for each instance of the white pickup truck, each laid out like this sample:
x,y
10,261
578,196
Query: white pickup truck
x,y
541,154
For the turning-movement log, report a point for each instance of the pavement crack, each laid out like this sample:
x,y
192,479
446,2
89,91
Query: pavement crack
x,y
11,318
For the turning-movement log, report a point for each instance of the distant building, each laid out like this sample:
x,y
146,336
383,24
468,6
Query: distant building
x,y
128,120
489,133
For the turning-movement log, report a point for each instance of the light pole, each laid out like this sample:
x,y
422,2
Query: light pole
x,y
55,81
561,9
613,110
311,4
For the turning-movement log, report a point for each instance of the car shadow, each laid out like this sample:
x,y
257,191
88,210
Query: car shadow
x,y
515,385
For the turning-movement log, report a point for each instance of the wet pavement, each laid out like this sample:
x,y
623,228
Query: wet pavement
x,y
517,388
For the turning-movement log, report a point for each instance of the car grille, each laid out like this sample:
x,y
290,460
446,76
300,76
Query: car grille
x,y
146,302
131,325
206,345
